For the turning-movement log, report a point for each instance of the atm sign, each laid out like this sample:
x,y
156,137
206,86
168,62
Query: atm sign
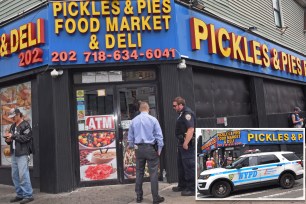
x,y
100,122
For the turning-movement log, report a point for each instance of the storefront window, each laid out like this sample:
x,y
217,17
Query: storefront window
x,y
17,96
129,108
96,125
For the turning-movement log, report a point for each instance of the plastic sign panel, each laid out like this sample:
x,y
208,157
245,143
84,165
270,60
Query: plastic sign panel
x,y
229,138
210,145
209,40
23,43
258,137
89,32
100,122
273,137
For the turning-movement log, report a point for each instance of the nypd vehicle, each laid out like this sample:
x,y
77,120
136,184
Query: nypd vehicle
x,y
252,170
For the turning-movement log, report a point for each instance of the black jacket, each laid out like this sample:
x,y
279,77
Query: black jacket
x,y
23,139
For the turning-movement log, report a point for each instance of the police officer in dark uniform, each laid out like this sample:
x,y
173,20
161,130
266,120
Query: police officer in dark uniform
x,y
184,131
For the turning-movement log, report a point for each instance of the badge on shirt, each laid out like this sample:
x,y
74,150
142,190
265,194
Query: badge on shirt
x,y
188,117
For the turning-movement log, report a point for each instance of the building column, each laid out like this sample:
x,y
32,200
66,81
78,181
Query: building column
x,y
55,138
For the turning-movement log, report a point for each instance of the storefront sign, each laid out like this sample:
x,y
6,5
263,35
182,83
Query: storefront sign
x,y
216,42
277,137
98,32
23,43
251,137
112,31
229,138
210,145
100,122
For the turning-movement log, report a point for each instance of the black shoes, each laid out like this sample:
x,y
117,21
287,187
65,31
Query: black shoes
x,y
187,193
159,200
139,199
16,199
178,189
26,200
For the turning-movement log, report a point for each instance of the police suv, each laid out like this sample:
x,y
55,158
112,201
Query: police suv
x,y
252,170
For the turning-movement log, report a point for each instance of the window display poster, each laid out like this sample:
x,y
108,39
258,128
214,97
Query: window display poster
x,y
17,96
80,93
98,159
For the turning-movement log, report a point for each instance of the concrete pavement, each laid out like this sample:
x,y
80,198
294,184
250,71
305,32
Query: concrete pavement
x,y
117,194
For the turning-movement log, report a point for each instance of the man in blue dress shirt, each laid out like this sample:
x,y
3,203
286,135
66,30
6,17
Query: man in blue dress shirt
x,y
144,132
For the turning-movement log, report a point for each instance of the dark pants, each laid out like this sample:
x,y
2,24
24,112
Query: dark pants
x,y
146,153
186,168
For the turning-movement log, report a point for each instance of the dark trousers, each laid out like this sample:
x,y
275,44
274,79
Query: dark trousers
x,y
146,153
186,168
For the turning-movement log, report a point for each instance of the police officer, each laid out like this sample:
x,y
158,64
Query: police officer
x,y
184,131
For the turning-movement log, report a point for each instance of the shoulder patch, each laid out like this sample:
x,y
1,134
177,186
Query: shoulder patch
x,y
27,131
188,117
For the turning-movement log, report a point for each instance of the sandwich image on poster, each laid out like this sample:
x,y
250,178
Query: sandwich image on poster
x,y
250,164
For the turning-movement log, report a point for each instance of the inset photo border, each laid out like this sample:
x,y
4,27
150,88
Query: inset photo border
x,y
250,164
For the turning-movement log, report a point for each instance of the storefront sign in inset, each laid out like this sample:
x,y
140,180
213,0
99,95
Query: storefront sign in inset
x,y
229,138
275,137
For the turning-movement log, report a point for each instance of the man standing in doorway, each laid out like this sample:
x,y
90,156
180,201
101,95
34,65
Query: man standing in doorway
x,y
144,133
184,131
20,140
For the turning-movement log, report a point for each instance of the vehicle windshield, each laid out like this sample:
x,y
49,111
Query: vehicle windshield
x,y
237,161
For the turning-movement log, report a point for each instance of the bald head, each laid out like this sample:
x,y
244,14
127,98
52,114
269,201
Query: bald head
x,y
144,107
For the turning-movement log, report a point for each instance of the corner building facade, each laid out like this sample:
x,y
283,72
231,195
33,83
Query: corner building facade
x,y
105,56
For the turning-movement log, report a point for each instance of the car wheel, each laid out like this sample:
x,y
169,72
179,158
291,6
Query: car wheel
x,y
287,180
221,189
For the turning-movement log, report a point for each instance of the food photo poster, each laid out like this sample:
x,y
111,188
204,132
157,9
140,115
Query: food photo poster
x,y
17,96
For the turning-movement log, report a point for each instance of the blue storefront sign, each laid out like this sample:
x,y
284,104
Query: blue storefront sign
x,y
24,43
258,137
101,32
90,32
212,41
254,137
94,32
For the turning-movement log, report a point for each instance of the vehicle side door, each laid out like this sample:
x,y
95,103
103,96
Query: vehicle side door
x,y
247,171
270,167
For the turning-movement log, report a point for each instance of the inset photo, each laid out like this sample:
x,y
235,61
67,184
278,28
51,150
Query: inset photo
x,y
250,164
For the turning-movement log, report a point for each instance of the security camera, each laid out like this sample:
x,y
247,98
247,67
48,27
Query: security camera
x,y
56,73
182,65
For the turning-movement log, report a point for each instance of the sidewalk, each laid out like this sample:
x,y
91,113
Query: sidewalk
x,y
118,194
114,194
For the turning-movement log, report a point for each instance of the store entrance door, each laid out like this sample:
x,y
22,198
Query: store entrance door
x,y
104,113
129,99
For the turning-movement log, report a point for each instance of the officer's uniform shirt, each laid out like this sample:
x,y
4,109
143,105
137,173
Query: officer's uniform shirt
x,y
185,120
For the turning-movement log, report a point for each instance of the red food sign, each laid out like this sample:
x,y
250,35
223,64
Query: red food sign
x,y
100,122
